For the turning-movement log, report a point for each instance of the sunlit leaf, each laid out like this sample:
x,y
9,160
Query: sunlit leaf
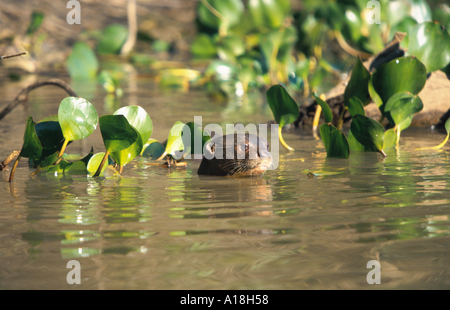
x,y
139,119
335,142
77,117
174,140
196,132
430,43
390,139
268,13
94,163
203,46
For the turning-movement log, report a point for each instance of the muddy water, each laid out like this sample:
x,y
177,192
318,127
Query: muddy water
x,y
313,223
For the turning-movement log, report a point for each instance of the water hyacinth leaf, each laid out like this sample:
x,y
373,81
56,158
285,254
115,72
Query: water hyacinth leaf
x,y
229,10
174,141
112,39
32,147
82,63
335,142
368,132
123,157
283,106
430,42
196,132
358,84
94,163
153,149
203,46
326,110
268,13
117,132
390,139
355,106
354,144
51,137
402,105
405,123
77,117
405,74
139,119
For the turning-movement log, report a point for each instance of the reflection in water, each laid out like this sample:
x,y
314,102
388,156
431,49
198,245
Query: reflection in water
x,y
312,223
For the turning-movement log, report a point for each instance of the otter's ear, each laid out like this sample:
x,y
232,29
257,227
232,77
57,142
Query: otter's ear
x,y
210,147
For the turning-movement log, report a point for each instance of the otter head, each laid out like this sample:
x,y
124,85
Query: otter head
x,y
237,155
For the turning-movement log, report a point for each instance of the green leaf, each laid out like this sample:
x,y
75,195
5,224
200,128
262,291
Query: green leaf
x,y
326,110
117,133
430,43
36,21
447,125
355,106
123,157
405,74
139,119
390,139
230,10
203,46
268,13
82,63
112,39
78,118
354,144
358,84
174,140
51,137
283,106
335,142
368,132
32,147
153,149
402,105
94,163
189,142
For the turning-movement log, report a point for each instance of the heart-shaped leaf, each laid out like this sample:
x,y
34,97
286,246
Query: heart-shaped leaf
x,y
358,84
153,149
402,105
283,106
405,74
77,117
368,132
430,42
94,163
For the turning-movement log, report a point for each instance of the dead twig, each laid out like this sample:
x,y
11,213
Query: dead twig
x,y
23,95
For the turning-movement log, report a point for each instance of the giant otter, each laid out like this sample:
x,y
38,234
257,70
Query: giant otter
x,y
243,155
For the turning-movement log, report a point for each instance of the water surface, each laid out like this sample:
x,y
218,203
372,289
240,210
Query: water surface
x,y
313,223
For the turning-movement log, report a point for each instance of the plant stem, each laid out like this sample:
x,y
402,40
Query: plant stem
x,y
282,140
435,147
61,153
224,26
99,170
13,170
14,55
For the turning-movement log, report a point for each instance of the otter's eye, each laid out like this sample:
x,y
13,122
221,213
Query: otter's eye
x,y
246,147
